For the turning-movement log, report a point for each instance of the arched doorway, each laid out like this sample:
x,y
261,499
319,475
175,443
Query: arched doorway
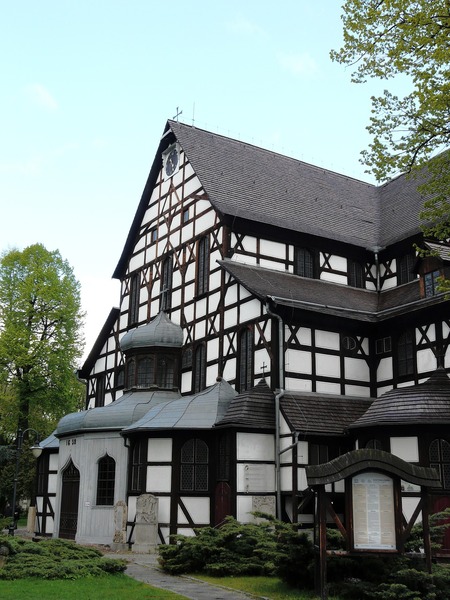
x,y
69,502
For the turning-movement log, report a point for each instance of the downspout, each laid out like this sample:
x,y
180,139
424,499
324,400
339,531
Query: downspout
x,y
278,396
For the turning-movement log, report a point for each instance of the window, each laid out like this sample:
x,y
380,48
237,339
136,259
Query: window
x,y
224,459
131,373
153,235
245,360
186,215
138,464
405,268
165,372
304,262
318,454
383,345
430,283
349,344
100,390
199,375
355,274
194,466
120,377
405,354
105,481
203,266
43,466
374,445
439,455
145,372
166,284
142,374
133,314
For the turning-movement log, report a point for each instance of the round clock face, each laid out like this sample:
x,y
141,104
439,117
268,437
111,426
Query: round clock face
x,y
171,162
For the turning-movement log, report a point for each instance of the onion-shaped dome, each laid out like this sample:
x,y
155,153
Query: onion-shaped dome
x,y
423,404
160,332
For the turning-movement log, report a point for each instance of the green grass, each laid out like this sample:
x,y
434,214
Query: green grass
x,y
263,587
110,587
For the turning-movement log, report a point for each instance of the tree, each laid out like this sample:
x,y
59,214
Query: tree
x,y
386,38
40,340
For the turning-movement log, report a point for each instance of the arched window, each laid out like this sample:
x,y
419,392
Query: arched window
x,y
106,481
194,466
439,455
374,445
199,374
245,360
304,262
405,353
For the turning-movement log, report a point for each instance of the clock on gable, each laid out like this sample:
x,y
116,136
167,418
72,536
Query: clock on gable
x,y
171,160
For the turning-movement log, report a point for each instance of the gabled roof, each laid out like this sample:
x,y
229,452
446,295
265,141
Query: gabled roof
x,y
286,289
423,404
254,408
251,183
312,413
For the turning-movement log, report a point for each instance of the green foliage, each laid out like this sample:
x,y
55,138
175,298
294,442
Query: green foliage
x,y
407,38
439,522
54,559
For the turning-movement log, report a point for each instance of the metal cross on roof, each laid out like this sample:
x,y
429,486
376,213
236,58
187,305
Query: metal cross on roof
x,y
179,112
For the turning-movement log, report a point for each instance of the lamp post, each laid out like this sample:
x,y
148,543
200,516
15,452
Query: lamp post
x,y
37,451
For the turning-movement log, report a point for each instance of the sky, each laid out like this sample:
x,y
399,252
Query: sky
x,y
88,85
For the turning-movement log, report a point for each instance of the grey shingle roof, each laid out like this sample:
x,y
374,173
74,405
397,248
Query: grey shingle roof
x,y
254,408
422,404
323,296
312,413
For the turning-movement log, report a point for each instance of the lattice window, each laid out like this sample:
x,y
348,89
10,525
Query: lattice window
x,y
405,268
199,374
165,372
439,455
194,466
355,274
405,353
245,359
145,372
138,465
133,313
106,481
131,373
304,262
430,283
100,390
203,266
166,283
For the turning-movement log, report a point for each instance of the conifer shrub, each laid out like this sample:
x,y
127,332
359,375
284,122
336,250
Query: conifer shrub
x,y
54,559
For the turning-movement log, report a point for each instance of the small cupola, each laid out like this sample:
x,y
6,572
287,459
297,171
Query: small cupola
x,y
153,355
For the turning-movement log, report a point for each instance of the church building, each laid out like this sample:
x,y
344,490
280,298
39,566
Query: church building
x,y
273,315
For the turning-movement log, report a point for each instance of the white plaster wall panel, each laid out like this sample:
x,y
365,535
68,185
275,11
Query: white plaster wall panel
x,y
370,286
255,477
151,253
125,303
213,349
231,318
288,508
286,457
249,243
158,478
189,292
339,486
390,283
229,370
211,375
164,509
108,398
333,277
231,294
165,533
188,312
406,448
187,232
303,335
205,205
143,313
176,299
192,186
181,517
215,279
426,360
384,371
177,280
298,385
286,479
298,361
245,259
261,358
162,232
382,390
200,308
271,264
327,339
159,450
328,388
213,301
302,453
430,332
244,509
337,263
186,382
110,361
186,532
140,244
255,446
274,249
328,365
302,482
200,329
356,390
204,222
356,368
52,483
50,526
198,508
53,462
284,427
409,505
250,310
136,262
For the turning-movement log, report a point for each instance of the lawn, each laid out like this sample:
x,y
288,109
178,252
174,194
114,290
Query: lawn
x,y
110,587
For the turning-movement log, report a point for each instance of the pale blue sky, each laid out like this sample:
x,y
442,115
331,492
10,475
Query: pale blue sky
x,y
87,86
